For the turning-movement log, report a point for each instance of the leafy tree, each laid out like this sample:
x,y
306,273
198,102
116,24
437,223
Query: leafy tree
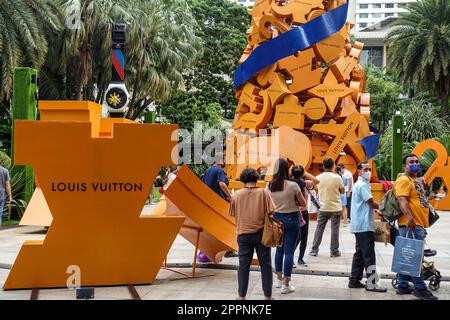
x,y
384,96
222,27
419,46
160,44
22,40
422,122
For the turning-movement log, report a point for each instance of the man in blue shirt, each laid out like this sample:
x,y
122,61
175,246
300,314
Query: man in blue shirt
x,y
217,181
363,226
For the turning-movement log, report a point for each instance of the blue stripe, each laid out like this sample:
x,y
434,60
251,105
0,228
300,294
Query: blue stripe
x,y
290,43
120,57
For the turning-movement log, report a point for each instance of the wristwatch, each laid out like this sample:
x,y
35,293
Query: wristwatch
x,y
117,100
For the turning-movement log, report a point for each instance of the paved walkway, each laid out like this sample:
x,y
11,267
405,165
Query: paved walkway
x,y
223,283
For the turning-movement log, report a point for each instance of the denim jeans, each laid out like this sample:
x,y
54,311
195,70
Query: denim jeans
x,y
291,222
419,284
248,243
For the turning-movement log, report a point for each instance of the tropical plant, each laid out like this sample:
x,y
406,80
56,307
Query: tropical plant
x,y
222,26
422,122
160,45
419,48
22,40
384,96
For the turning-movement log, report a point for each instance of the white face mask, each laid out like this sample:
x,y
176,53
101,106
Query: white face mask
x,y
367,175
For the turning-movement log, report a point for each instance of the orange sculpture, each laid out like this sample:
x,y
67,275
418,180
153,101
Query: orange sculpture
x,y
205,211
95,188
318,93
439,169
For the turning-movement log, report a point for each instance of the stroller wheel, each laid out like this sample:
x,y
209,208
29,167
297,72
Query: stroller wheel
x,y
395,283
435,283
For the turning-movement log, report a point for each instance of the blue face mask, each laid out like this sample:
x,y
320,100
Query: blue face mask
x,y
414,168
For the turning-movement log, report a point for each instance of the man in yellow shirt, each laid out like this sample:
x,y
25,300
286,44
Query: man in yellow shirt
x,y
413,222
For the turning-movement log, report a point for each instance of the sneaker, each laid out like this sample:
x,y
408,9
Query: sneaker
x,y
356,285
430,253
287,289
313,253
423,295
402,290
278,283
294,266
335,254
302,263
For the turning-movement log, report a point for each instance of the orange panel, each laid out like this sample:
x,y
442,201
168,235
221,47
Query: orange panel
x,y
204,209
95,189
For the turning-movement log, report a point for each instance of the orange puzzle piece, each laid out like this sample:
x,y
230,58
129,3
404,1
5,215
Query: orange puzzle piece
x,y
345,135
331,91
296,9
301,68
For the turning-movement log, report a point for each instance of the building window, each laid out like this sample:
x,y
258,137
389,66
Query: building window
x,y
364,6
389,5
389,15
363,15
402,5
372,55
376,5
362,25
376,15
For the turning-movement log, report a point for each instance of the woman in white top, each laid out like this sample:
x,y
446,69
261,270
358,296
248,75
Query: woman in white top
x,y
170,177
284,194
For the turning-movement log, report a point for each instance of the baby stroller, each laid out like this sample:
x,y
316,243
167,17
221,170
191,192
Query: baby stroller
x,y
429,271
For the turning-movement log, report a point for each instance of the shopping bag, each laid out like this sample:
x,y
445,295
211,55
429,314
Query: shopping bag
x,y
408,256
382,232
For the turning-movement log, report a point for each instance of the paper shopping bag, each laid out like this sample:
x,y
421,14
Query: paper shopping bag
x,y
408,256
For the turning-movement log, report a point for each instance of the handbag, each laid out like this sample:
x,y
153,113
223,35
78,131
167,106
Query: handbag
x,y
408,256
273,231
433,216
382,232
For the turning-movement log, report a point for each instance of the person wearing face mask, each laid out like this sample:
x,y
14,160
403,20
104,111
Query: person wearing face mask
x,y
412,223
363,227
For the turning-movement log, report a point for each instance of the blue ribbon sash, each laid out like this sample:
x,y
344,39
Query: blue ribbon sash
x,y
290,43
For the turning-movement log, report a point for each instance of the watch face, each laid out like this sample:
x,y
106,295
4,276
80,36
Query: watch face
x,y
116,98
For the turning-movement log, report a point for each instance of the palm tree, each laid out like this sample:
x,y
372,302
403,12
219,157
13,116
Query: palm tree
x,y
420,48
160,45
163,45
22,40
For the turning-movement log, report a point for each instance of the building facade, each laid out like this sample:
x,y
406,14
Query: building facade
x,y
369,12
